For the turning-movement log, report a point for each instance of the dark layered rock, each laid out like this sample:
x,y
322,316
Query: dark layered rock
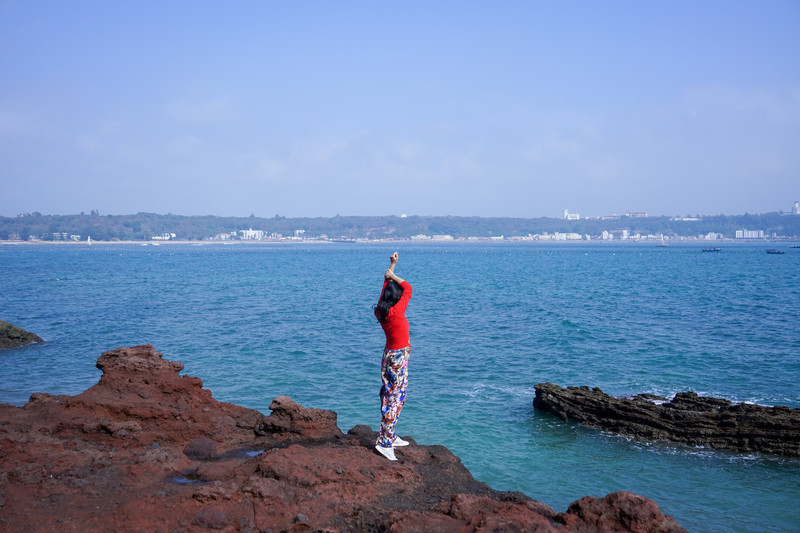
x,y
149,450
687,418
13,337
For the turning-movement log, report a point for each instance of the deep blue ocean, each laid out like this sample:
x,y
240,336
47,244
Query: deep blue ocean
x,y
488,322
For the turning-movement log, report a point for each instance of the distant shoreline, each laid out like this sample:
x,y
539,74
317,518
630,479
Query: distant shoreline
x,y
671,242
153,243
148,227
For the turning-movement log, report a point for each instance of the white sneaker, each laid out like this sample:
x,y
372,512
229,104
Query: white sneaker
x,y
387,452
399,442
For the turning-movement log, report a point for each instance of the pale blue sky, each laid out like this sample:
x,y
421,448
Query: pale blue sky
x,y
377,108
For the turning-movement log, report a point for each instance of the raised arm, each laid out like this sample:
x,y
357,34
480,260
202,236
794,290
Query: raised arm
x,y
389,274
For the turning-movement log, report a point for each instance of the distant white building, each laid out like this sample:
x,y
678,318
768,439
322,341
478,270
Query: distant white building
x,y
163,237
251,234
796,208
571,216
298,235
606,236
749,234
625,234
443,238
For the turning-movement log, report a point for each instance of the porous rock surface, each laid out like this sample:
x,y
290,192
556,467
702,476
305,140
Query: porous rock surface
x,y
148,450
687,418
13,337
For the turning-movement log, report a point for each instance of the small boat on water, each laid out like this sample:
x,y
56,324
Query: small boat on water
x,y
795,246
774,251
711,249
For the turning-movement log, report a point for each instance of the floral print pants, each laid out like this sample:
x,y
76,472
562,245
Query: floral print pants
x,y
394,374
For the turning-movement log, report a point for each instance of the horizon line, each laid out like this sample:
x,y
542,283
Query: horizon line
x,y
403,215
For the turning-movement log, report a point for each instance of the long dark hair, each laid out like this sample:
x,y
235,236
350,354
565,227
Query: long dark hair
x,y
391,295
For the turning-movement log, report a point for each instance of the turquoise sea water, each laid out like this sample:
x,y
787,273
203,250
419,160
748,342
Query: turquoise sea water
x,y
488,322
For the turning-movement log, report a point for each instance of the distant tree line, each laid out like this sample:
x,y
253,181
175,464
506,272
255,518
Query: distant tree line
x,y
144,226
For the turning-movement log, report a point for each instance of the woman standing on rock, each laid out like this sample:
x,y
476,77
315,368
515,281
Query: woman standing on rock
x,y
391,313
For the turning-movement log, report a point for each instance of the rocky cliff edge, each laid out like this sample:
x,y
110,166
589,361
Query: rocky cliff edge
x,y
149,450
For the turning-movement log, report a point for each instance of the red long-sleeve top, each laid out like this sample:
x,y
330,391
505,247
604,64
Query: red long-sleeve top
x,y
395,325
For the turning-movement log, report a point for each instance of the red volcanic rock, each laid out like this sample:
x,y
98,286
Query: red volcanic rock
x,y
293,419
617,512
148,450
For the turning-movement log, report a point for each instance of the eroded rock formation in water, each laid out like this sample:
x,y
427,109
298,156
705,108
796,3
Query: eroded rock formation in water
x,y
687,418
13,337
148,450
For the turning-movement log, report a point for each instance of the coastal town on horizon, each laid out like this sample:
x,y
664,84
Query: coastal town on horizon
x,y
633,226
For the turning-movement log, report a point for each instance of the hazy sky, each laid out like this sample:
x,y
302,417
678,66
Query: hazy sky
x,y
376,108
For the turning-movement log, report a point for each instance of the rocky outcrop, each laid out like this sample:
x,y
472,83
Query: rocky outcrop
x,y
13,337
149,450
687,418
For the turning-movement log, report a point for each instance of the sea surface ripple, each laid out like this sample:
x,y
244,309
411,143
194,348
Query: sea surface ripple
x,y
488,322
